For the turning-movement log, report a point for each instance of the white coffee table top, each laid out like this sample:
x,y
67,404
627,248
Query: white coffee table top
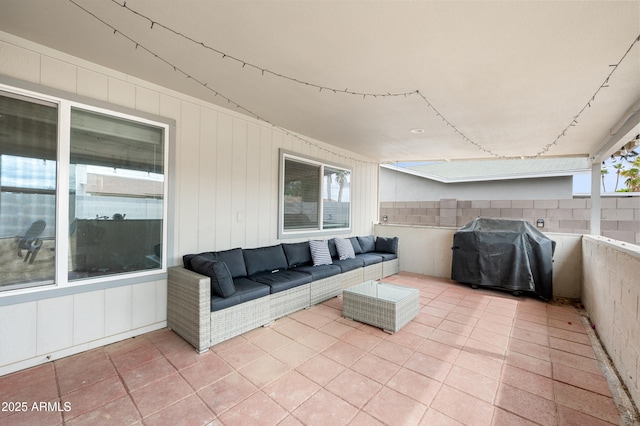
x,y
381,290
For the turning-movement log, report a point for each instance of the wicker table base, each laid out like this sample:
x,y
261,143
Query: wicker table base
x,y
383,305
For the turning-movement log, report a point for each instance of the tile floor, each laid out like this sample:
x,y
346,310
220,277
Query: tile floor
x,y
471,357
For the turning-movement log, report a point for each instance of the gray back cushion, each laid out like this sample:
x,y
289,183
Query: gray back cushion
x,y
264,259
232,258
367,243
356,245
298,254
387,245
221,281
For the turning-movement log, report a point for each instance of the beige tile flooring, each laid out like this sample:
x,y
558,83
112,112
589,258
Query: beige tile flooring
x,y
471,357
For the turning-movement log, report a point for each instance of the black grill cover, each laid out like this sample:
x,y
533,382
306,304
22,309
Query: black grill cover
x,y
506,254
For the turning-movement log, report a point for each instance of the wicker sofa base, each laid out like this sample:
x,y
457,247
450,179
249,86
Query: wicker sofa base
x,y
373,272
351,278
324,289
285,302
390,267
238,319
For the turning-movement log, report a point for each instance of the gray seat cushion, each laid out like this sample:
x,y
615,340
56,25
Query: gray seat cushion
x,y
369,258
385,256
347,265
319,272
246,290
282,280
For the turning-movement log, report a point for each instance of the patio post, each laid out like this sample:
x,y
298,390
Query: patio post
x,y
596,203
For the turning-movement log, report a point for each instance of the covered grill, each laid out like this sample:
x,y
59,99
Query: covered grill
x,y
505,254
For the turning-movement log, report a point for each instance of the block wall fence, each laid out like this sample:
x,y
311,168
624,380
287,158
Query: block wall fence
x,y
620,216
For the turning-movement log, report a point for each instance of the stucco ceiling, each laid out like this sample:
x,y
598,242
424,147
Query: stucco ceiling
x,y
483,79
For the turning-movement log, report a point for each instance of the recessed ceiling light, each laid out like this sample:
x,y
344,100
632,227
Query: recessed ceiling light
x,y
417,130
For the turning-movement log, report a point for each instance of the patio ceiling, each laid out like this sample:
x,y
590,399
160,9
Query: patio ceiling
x,y
482,79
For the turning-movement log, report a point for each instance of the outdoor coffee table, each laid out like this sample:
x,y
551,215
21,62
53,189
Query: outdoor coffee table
x,y
380,304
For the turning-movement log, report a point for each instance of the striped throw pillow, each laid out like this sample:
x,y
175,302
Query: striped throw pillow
x,y
320,252
345,248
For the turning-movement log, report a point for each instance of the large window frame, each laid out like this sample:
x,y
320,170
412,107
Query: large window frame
x,y
322,214
65,105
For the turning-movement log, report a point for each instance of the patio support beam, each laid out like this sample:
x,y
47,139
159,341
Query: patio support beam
x,y
625,129
596,204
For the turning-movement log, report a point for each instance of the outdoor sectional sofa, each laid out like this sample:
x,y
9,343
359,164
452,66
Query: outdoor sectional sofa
x,y
218,295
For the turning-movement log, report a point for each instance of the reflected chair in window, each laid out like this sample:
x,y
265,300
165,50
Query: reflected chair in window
x,y
31,241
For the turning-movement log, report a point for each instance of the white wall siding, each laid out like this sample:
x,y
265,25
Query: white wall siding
x,y
88,317
18,331
225,194
55,324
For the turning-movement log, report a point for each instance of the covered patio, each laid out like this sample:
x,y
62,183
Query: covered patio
x,y
236,86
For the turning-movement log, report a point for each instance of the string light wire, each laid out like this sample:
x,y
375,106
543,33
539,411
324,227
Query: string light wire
x,y
321,88
264,71
604,85
217,93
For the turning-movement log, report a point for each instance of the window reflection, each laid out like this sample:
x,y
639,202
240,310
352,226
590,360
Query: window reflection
x,y
28,142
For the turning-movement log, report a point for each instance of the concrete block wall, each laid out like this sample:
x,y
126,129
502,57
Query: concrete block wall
x,y
611,296
620,216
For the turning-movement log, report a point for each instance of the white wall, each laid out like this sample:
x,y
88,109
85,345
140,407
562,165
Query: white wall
x,y
427,250
397,186
225,195
611,296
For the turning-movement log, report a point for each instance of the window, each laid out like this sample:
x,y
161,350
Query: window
x,y
116,186
314,197
82,192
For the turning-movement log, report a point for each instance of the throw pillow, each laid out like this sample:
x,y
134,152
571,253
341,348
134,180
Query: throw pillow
x,y
367,243
320,252
221,281
345,249
387,245
356,245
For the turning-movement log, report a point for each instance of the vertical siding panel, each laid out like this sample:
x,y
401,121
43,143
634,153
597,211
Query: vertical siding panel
x,y
170,107
268,162
18,332
19,63
147,100
88,316
207,190
143,312
189,178
55,324
223,182
239,183
58,74
117,310
253,214
122,93
277,143
92,84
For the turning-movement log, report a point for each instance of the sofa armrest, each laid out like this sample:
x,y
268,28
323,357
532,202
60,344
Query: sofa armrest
x,y
189,306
